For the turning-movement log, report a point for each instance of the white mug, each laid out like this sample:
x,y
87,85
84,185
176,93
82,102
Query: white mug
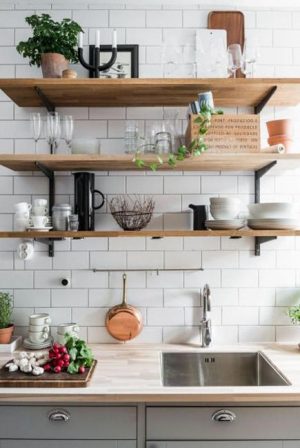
x,y
70,328
39,328
40,203
39,211
21,224
60,339
40,319
22,207
38,337
39,221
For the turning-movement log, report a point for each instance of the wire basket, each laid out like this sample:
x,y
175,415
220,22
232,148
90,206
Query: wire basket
x,y
132,213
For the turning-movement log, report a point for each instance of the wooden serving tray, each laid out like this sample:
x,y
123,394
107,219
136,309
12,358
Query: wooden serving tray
x,y
48,379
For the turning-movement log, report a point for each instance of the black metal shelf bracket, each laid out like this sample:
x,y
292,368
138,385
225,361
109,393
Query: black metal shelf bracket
x,y
264,101
48,105
51,178
259,240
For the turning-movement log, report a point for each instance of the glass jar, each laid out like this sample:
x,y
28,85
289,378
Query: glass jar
x,y
60,216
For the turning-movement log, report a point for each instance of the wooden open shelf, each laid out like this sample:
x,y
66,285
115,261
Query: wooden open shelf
x,y
149,92
149,233
205,162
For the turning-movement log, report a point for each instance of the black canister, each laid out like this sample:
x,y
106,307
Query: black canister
x,y
199,216
84,202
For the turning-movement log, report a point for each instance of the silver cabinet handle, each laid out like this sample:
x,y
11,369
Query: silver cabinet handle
x,y
59,415
223,415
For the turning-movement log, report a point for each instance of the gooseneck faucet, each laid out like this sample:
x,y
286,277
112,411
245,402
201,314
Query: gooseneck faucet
x,y
205,323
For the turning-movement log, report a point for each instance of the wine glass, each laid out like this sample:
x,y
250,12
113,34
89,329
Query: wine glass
x,y
36,125
68,129
250,55
53,129
234,58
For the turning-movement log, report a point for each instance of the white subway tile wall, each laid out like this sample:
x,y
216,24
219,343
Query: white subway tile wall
x,y
250,295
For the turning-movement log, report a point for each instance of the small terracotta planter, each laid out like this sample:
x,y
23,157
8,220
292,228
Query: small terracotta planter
x,y
284,140
280,127
53,65
6,334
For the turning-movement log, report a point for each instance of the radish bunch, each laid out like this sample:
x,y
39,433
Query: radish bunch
x,y
59,359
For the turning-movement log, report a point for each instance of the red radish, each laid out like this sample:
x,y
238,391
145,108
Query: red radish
x,y
60,363
57,369
47,367
66,357
55,346
67,363
81,369
52,354
63,349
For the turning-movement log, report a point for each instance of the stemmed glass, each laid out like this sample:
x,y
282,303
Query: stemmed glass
x,y
68,129
235,58
36,125
250,55
53,129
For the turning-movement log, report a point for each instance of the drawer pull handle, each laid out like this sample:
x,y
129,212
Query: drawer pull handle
x,y
224,415
59,416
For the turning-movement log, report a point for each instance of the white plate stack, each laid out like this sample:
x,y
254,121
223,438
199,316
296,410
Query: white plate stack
x,y
274,216
225,212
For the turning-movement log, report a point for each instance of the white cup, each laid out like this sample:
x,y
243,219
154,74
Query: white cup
x,y
71,328
39,328
22,207
39,221
38,337
21,224
39,211
40,203
60,339
40,319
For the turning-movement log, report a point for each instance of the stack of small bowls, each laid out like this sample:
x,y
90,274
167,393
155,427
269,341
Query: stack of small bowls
x,y
39,331
225,208
225,212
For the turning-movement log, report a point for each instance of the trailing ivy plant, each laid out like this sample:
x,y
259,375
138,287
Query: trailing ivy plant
x,y
195,148
50,37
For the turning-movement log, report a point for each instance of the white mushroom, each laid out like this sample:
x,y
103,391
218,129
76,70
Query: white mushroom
x,y
13,367
23,355
27,368
32,361
8,365
42,361
23,362
37,371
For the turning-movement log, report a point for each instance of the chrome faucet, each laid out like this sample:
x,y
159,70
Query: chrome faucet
x,y
205,323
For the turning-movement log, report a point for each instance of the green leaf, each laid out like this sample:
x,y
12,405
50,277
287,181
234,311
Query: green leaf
x,y
73,353
73,367
153,166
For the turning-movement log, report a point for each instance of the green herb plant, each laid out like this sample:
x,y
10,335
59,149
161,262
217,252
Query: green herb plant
x,y
294,314
195,148
50,37
6,308
81,355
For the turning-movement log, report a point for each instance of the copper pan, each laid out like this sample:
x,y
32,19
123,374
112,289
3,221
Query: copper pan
x,y
124,322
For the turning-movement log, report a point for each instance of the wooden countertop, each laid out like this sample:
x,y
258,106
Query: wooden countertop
x,y
131,374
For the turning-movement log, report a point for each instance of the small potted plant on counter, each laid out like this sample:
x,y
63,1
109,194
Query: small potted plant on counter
x,y
52,46
6,327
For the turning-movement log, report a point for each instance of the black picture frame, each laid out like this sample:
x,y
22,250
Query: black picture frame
x,y
122,48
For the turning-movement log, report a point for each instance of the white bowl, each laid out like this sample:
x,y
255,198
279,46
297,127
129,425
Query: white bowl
x,y
225,213
273,210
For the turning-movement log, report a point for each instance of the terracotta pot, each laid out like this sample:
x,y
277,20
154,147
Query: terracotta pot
x,y
53,64
280,127
6,334
284,140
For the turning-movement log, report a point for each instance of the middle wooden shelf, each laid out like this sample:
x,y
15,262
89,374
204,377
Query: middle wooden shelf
x,y
148,233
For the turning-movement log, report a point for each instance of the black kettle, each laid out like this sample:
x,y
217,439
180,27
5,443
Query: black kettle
x,y
199,216
84,202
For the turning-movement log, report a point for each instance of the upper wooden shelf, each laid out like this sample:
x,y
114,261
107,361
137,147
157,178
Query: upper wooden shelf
x,y
149,92
205,162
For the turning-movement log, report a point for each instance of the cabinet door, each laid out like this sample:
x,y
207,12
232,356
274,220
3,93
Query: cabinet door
x,y
218,444
291,444
67,443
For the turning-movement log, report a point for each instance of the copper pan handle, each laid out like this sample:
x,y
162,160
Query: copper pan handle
x,y
124,299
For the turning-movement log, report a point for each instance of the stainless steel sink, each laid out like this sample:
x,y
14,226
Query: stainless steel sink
x,y
219,369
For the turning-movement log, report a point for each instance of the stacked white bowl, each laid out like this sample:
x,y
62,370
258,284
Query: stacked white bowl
x,y
273,210
39,328
225,208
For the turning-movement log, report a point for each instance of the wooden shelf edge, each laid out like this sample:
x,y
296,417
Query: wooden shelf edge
x,y
147,233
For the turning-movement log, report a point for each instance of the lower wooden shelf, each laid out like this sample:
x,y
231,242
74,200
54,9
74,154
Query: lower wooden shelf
x,y
148,233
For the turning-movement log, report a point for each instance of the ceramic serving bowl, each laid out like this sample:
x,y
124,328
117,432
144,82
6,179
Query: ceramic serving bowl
x,y
224,201
273,210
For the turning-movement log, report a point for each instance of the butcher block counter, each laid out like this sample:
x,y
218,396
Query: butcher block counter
x,y
130,373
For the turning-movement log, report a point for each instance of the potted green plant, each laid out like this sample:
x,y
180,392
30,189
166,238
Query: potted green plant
x,y
52,46
6,327
294,314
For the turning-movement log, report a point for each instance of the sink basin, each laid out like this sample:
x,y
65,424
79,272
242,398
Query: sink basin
x,y
219,369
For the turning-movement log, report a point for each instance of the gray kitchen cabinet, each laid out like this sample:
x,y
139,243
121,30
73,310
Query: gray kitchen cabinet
x,y
217,444
108,424
67,444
